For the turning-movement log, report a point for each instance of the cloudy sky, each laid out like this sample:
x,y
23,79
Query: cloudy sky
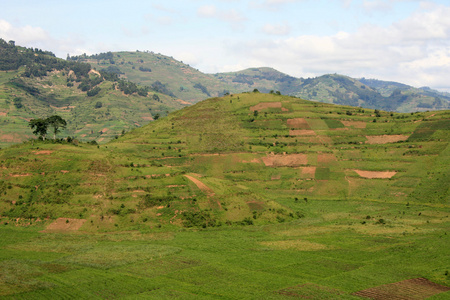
x,y
402,40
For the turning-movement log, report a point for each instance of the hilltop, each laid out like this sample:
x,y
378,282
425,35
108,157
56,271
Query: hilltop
x,y
245,195
97,106
189,84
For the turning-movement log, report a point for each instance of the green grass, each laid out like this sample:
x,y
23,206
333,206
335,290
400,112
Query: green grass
x,y
308,225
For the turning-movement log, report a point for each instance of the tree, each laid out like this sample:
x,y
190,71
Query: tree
x,y
40,127
56,122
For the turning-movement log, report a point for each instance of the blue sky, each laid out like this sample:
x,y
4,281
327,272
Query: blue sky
x,y
401,40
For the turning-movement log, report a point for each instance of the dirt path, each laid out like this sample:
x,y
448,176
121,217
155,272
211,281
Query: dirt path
x,y
201,185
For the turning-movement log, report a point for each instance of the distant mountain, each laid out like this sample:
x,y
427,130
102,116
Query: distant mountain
x,y
97,106
179,79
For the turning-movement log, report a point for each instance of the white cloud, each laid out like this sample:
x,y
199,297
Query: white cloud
x,y
376,5
233,17
208,11
414,51
276,29
23,35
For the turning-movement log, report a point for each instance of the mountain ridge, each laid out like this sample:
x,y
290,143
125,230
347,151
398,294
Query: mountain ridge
x,y
192,85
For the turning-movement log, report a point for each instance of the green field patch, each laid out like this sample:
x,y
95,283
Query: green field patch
x,y
333,124
108,255
322,173
19,276
310,291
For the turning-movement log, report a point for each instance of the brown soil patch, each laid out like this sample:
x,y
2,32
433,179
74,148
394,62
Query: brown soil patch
x,y
385,139
417,288
201,185
43,152
64,171
376,174
183,102
309,171
3,114
299,245
147,118
326,158
265,105
92,71
61,224
300,132
20,175
299,123
14,137
354,124
275,177
289,160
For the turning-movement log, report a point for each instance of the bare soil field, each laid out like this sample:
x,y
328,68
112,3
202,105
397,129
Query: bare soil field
x,y
417,288
298,123
265,105
43,152
300,132
326,158
289,160
376,174
309,171
65,224
385,139
354,124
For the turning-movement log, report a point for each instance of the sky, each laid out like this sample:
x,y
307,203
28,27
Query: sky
x,y
407,41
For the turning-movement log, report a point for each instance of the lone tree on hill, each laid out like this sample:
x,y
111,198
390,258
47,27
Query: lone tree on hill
x,y
56,122
40,126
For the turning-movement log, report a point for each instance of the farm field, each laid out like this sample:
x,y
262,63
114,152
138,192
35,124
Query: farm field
x,y
329,255
252,195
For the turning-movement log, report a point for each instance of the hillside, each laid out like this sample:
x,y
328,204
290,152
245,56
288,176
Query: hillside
x,y
245,196
236,155
180,80
161,72
97,107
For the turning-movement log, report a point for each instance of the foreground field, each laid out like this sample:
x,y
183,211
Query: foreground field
x,y
244,196
343,248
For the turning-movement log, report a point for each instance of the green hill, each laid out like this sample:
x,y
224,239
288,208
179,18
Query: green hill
x,y
178,79
97,107
161,72
244,196
243,149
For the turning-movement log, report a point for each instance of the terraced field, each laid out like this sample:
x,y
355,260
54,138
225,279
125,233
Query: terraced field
x,y
245,196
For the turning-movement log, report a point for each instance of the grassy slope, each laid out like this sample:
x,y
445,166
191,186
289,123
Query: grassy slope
x,y
351,232
179,77
118,112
